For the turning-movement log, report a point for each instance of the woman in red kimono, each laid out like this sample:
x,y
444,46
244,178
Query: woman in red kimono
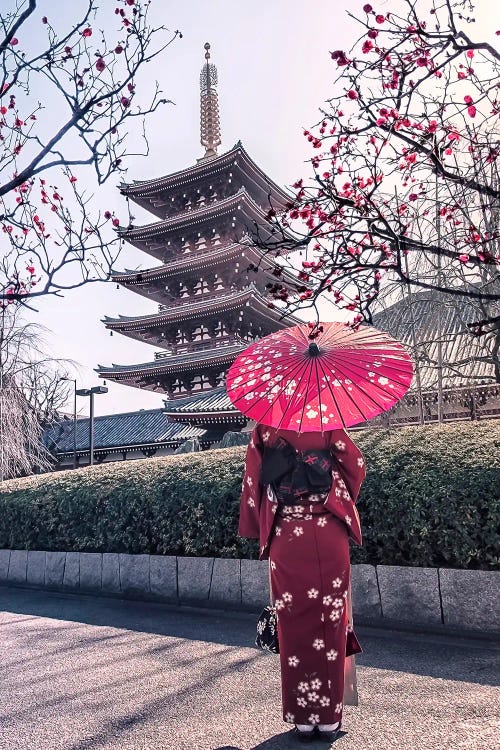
x,y
298,499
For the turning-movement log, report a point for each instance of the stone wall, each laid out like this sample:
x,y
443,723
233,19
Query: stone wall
x,y
384,595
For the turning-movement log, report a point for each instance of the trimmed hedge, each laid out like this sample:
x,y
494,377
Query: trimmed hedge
x,y
431,498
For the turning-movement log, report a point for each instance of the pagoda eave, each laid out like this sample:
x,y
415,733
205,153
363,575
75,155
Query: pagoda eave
x,y
140,191
240,206
142,282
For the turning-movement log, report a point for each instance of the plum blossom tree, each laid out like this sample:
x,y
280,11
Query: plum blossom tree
x,y
404,175
52,240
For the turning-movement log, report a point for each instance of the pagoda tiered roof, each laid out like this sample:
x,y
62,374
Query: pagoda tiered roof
x,y
143,281
248,298
173,363
240,206
237,158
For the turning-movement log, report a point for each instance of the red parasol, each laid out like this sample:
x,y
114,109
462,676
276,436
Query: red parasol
x,y
341,378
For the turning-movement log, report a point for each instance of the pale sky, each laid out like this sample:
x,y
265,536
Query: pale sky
x,y
274,72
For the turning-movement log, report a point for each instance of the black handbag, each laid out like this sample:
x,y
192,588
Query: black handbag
x,y
267,626
267,630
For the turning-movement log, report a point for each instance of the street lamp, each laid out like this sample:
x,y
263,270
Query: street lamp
x,y
73,380
91,392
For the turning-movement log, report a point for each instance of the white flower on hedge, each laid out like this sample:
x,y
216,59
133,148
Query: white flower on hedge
x,y
313,719
293,661
312,697
316,684
303,687
324,700
287,597
313,593
318,644
332,654
337,583
290,718
301,702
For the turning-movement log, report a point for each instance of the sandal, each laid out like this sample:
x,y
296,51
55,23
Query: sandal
x,y
330,734
304,736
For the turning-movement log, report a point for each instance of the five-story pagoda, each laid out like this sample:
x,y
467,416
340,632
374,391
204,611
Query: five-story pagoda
x,y
211,303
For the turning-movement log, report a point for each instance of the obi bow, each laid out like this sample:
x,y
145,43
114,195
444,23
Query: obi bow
x,y
293,474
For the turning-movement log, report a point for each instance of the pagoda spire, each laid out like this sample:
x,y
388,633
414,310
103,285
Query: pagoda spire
x,y
209,109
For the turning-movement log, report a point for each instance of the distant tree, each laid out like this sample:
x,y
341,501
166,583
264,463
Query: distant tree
x,y
31,395
52,240
404,183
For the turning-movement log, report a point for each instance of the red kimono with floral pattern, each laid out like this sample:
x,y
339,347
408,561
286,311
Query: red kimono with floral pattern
x,y
308,548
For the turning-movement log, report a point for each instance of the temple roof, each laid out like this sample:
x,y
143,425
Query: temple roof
x,y
147,427
204,406
249,297
237,156
176,363
463,355
240,201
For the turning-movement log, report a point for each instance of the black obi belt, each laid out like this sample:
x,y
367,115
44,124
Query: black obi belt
x,y
295,474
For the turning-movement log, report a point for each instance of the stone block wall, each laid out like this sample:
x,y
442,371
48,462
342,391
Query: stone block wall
x,y
463,600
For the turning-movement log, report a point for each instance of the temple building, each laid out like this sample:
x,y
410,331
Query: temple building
x,y
209,282
451,366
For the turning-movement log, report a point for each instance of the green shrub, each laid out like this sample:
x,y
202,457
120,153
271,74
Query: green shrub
x,y
431,498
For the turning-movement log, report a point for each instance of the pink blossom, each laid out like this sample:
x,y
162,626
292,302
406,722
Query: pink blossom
x,y
471,111
352,94
367,8
340,58
100,64
87,32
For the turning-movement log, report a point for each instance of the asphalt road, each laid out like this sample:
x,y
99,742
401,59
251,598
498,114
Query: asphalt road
x,y
81,673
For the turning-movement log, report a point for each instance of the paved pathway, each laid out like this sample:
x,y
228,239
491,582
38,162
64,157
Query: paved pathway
x,y
78,673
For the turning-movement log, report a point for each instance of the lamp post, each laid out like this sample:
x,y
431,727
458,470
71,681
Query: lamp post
x,y
91,392
73,380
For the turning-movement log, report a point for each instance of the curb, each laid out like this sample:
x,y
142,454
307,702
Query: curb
x,y
388,597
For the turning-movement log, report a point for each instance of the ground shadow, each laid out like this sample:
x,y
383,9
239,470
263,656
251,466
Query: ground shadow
x,y
428,655
286,741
